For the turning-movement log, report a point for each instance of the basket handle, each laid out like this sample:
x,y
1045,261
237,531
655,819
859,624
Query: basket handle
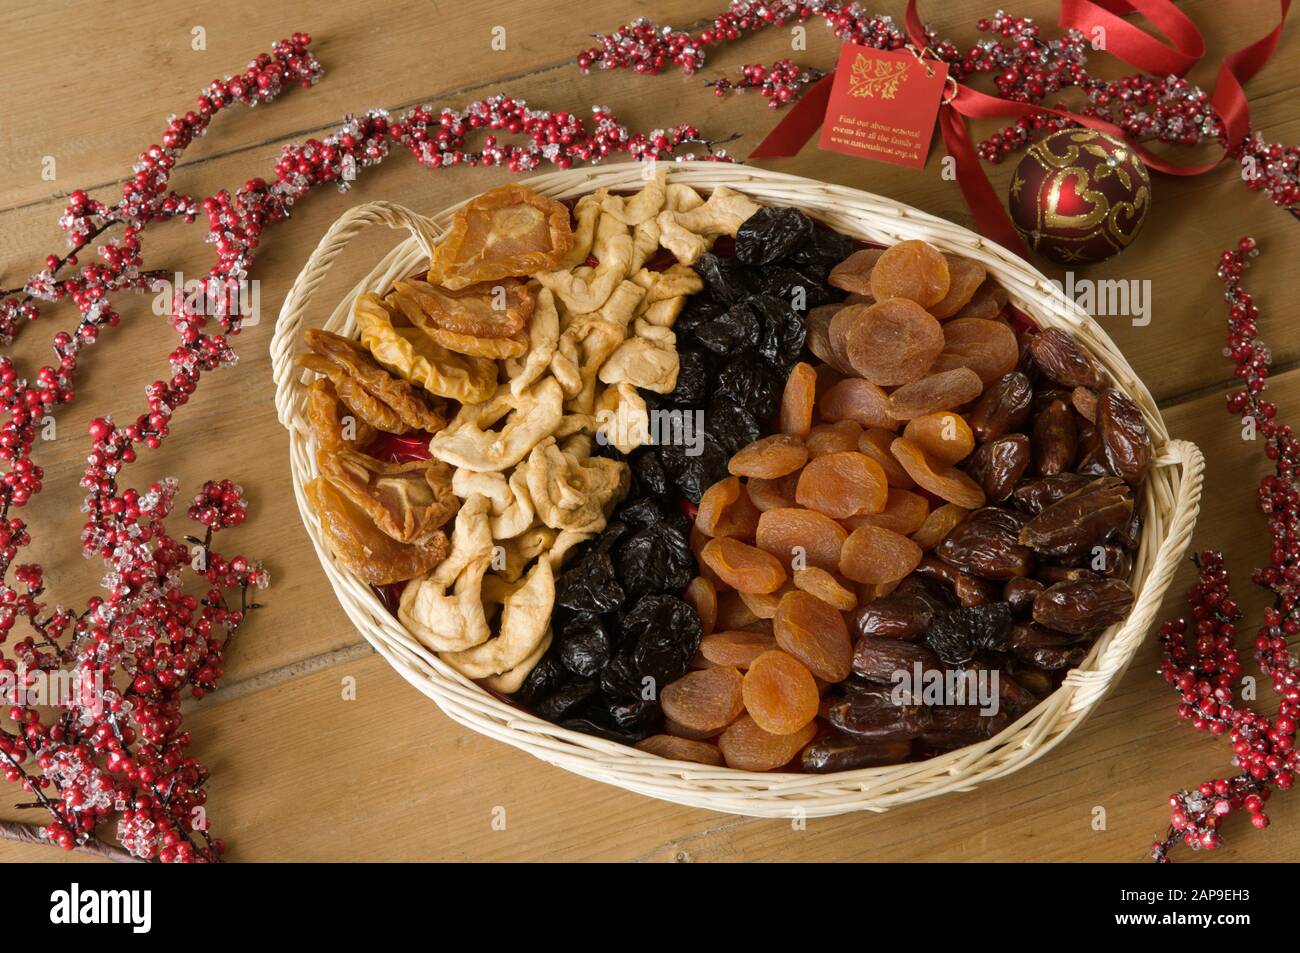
x,y
345,228
1182,520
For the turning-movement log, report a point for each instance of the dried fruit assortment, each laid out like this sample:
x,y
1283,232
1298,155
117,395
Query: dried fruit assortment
x,y
704,477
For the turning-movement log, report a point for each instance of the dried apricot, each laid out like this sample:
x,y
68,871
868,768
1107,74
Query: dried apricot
x,y
698,539
942,391
763,604
964,279
826,586
854,273
989,348
818,324
987,302
798,400
800,538
681,749
914,270
737,648
939,524
769,458
858,400
945,437
891,342
703,597
743,567
815,633
780,694
834,438
770,494
905,512
732,612
746,746
704,700
725,509
875,442
681,731
842,484
944,482
874,555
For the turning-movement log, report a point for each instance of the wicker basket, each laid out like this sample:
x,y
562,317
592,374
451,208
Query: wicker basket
x,y
1169,502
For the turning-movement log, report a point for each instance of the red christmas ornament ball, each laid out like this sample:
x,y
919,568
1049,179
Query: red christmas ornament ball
x,y
1079,196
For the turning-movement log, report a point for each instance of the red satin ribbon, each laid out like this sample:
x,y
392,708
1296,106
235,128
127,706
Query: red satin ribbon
x,y
1123,39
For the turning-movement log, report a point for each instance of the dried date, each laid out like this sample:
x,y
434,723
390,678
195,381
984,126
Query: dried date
x,y
1074,524
1083,606
987,545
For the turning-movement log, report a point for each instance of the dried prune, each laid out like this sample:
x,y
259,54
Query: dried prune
x,y
964,278
725,509
842,484
878,659
1124,437
1083,606
771,233
727,279
912,270
1003,408
582,644
889,342
823,248
934,392
956,636
799,400
546,676
743,567
752,385
681,749
780,694
648,475
565,698
1047,649
944,436
944,482
769,458
664,633
874,555
799,537
656,558
987,544
813,632
693,380
988,348
746,746
999,464
705,700
590,584
690,473
737,647
1062,360
858,400
1074,524
842,752
826,586
1056,438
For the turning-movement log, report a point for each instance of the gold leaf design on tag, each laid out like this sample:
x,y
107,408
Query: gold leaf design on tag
x,y
872,78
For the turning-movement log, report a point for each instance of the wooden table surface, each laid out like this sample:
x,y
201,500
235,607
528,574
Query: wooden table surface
x,y
300,772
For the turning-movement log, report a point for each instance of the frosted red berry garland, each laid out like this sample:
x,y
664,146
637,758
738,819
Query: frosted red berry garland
x,y
1201,660
118,748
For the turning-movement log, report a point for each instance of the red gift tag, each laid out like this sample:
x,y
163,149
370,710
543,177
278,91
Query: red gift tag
x,y
883,105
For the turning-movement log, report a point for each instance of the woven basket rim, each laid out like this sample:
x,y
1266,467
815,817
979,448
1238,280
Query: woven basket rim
x,y
1169,501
